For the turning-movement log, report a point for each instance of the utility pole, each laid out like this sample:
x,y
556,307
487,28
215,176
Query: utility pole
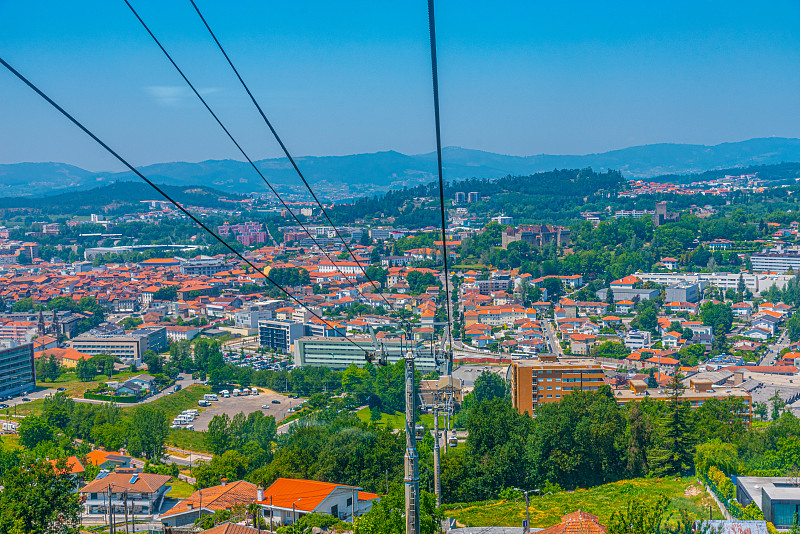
x,y
126,512
527,526
411,458
437,484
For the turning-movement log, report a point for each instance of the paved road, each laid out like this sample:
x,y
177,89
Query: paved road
x,y
552,340
774,349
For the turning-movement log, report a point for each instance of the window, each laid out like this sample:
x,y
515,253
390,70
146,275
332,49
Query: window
x,y
349,501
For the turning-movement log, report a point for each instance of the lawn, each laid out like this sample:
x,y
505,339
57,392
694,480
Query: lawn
x,y
601,501
174,403
180,489
398,420
34,407
76,388
187,440
10,441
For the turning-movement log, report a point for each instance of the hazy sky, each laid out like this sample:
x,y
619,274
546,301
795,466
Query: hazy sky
x,y
339,77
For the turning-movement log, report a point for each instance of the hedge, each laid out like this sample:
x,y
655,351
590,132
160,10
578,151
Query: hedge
x,y
127,399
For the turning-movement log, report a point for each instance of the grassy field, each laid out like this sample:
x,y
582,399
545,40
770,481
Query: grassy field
x,y
10,441
174,403
398,420
180,489
187,439
601,501
76,388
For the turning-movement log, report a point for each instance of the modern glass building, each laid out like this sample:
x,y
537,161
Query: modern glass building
x,y
17,369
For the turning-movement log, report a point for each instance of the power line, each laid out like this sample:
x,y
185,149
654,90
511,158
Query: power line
x,y
285,150
241,150
435,76
163,193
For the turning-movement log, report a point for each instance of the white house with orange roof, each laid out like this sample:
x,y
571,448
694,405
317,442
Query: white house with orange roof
x,y
287,500
626,282
669,263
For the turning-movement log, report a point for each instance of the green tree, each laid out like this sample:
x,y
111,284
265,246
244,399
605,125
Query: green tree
x,y
218,435
154,362
676,453
33,431
168,293
38,498
22,305
640,516
148,432
777,405
386,516
640,439
85,370
554,287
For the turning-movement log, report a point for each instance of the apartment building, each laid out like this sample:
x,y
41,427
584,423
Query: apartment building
x,y
17,368
537,382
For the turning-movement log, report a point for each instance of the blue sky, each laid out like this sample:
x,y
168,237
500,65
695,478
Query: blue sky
x,y
349,77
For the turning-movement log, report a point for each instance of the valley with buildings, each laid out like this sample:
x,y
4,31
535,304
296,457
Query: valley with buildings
x,y
254,278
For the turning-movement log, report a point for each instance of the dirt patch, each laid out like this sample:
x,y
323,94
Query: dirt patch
x,y
692,491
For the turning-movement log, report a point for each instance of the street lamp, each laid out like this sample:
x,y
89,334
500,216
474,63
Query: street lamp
x,y
294,513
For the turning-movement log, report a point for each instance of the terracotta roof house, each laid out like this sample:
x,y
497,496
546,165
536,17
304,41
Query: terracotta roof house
x,y
577,523
287,499
108,459
148,489
209,500
231,528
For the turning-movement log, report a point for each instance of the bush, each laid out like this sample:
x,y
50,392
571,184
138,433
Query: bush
x,y
721,484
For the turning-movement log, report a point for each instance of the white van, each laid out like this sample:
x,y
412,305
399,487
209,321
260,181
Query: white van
x,y
225,393
236,392
190,427
210,397
254,391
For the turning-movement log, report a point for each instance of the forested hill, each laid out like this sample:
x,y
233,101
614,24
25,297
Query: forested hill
x,y
558,195
121,194
778,174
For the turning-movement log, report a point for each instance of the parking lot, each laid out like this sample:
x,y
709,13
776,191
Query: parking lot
x,y
247,405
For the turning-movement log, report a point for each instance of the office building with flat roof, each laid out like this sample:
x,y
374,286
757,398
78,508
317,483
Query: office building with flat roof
x,y
129,348
339,353
17,369
777,497
700,390
279,335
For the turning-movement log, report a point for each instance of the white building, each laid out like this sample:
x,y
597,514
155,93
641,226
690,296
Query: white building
x,y
339,353
287,500
754,282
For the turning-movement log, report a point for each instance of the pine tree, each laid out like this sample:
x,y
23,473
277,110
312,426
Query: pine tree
x,y
678,437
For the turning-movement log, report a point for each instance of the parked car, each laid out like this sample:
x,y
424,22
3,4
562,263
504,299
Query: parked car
x,y
265,407
276,401
61,389
25,399
3,406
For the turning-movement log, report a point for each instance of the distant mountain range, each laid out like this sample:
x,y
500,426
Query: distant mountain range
x,y
337,177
